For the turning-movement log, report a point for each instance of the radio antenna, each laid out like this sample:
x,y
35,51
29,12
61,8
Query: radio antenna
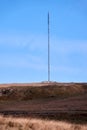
x,y
48,47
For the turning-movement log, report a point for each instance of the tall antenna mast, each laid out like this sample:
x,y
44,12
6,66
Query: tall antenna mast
x,y
48,49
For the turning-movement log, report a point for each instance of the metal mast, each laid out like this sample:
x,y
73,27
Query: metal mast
x,y
48,49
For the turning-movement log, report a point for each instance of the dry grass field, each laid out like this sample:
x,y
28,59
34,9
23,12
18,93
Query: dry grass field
x,y
38,104
9,123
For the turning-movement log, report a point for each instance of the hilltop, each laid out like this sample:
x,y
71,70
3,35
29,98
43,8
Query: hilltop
x,y
40,90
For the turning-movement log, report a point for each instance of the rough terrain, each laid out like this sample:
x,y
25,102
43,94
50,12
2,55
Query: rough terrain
x,y
48,100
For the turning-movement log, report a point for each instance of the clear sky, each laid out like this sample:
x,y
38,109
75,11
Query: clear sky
x,y
23,40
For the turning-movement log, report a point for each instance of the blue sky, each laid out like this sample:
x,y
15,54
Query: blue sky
x,y
23,40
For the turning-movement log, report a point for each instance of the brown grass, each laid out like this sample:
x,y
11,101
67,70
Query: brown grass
x,y
40,90
10,123
67,98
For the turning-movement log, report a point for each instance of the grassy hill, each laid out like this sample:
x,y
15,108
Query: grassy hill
x,y
40,90
62,101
